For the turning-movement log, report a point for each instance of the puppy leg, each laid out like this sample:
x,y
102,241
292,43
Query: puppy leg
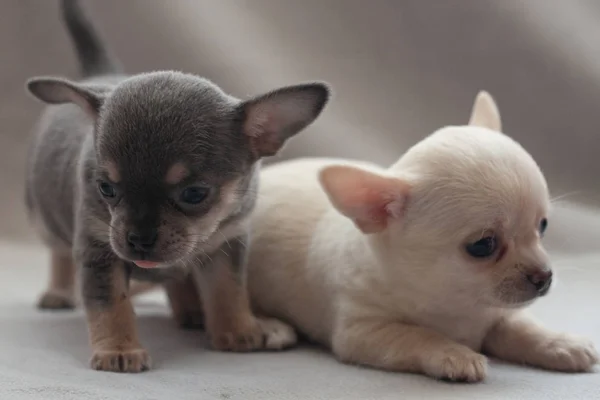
x,y
185,303
60,292
399,347
230,323
520,339
110,316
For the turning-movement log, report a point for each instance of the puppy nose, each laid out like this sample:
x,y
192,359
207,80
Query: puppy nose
x,y
142,241
541,280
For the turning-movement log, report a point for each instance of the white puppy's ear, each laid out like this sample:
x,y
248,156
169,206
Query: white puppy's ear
x,y
485,112
369,199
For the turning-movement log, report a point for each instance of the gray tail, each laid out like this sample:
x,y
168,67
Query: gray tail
x,y
94,58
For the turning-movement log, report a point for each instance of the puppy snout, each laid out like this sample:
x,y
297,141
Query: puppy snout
x,y
142,241
541,280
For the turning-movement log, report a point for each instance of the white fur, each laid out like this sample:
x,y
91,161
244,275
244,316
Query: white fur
x,y
373,264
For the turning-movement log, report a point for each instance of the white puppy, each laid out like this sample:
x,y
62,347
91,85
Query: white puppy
x,y
421,267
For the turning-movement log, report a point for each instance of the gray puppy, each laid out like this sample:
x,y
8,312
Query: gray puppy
x,y
144,176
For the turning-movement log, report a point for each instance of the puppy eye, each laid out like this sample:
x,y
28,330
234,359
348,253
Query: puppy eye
x,y
194,195
106,189
543,226
483,247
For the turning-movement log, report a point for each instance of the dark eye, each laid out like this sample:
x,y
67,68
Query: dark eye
x,y
483,247
194,195
543,226
107,190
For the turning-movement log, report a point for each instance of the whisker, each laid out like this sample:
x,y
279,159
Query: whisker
x,y
565,195
224,237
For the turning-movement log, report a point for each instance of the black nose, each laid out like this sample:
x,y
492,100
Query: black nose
x,y
541,280
142,241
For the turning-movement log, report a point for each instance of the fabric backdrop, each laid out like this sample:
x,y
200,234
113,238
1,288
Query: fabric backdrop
x,y
400,69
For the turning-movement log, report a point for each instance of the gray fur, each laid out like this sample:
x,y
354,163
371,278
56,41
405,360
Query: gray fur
x,y
236,251
94,58
143,124
97,268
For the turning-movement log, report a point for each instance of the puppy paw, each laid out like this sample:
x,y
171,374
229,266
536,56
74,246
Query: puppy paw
x,y
277,335
566,353
135,360
56,300
258,334
456,364
247,339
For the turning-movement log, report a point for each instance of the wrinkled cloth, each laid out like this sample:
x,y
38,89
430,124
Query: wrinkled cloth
x,y
400,69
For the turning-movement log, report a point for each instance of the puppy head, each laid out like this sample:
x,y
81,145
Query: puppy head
x,y
176,156
460,215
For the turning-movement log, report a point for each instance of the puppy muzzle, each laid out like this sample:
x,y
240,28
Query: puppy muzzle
x,y
541,279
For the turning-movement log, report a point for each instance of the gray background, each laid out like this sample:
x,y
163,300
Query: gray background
x,y
400,70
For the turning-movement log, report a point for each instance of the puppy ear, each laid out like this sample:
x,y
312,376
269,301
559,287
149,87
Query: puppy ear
x,y
60,91
367,198
485,112
269,120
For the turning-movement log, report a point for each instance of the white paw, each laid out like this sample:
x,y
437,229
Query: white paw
x,y
457,363
566,353
277,335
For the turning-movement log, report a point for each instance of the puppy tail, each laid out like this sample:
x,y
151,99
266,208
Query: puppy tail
x,y
94,58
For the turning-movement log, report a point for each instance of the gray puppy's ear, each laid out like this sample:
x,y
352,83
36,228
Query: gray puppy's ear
x,y
60,91
269,120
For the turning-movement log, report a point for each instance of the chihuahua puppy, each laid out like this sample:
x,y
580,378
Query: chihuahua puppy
x,y
144,176
422,267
